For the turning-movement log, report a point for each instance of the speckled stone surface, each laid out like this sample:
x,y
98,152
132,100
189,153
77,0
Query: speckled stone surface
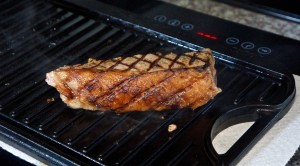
x,y
242,16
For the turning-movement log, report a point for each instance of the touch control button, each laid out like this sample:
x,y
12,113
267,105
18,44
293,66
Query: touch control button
x,y
174,22
247,45
232,40
264,50
160,18
187,27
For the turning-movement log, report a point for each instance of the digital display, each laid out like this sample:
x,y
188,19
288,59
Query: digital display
x,y
206,35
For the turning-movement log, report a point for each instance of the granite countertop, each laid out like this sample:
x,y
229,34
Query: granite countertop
x,y
242,16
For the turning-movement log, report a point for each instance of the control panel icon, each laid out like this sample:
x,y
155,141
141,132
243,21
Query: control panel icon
x,y
187,27
232,40
264,50
174,22
160,18
247,45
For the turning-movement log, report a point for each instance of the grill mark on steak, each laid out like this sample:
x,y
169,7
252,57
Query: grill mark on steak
x,y
200,98
94,82
96,65
68,93
89,87
181,90
107,95
193,58
202,68
117,63
141,92
154,63
93,99
190,81
134,63
136,97
78,80
174,61
153,90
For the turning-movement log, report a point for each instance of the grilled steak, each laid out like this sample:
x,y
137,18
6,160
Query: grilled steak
x,y
138,83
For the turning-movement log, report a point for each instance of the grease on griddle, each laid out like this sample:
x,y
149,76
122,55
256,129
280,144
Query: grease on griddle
x,y
172,127
50,100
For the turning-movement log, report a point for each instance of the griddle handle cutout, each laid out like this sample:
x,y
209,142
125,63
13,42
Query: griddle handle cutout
x,y
226,138
248,139
262,116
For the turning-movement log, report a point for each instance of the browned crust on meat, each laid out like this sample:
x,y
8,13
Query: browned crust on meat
x,y
139,83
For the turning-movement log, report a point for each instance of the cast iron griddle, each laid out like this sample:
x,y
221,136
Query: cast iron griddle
x,y
37,37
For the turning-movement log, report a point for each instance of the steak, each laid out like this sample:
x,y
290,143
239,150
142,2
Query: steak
x,y
153,81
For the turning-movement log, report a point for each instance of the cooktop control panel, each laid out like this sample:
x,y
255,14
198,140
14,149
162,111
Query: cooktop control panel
x,y
224,36
231,41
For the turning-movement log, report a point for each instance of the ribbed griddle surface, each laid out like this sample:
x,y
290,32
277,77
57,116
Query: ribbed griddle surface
x,y
37,37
